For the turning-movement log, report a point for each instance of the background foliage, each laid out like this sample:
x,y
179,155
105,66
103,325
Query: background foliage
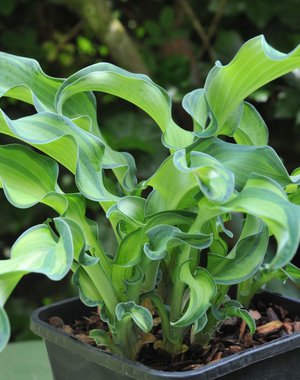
x,y
176,43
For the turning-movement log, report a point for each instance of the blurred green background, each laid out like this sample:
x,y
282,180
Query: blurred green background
x,y
176,43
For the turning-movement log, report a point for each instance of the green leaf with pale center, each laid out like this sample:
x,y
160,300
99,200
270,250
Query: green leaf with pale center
x,y
255,64
215,181
245,258
140,315
135,88
265,199
38,250
202,289
244,160
28,178
164,237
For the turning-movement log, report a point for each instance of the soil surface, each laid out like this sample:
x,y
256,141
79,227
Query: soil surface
x,y
232,336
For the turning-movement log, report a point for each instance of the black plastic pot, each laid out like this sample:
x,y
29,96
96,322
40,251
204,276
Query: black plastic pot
x,y
73,360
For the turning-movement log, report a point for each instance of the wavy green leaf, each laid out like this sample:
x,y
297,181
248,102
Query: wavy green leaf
x,y
243,160
252,129
140,315
195,105
173,189
246,256
24,80
101,337
265,199
233,308
130,209
164,237
293,273
199,324
37,250
28,178
88,292
215,181
135,88
202,289
54,134
255,64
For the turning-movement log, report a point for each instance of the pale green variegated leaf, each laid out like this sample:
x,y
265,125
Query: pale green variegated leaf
x,y
243,160
38,250
233,308
293,273
54,134
264,198
173,218
164,237
25,80
195,105
140,315
88,292
130,209
293,189
130,249
244,315
173,189
246,256
28,178
256,64
76,212
252,129
48,132
231,123
135,88
92,275
129,254
202,289
199,324
215,181
101,337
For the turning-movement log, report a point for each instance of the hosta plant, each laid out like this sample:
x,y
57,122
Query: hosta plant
x,y
178,252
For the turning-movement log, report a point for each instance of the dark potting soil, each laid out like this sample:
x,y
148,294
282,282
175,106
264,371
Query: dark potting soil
x,y
272,322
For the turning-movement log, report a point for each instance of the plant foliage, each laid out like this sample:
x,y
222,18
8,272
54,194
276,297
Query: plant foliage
x,y
221,169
